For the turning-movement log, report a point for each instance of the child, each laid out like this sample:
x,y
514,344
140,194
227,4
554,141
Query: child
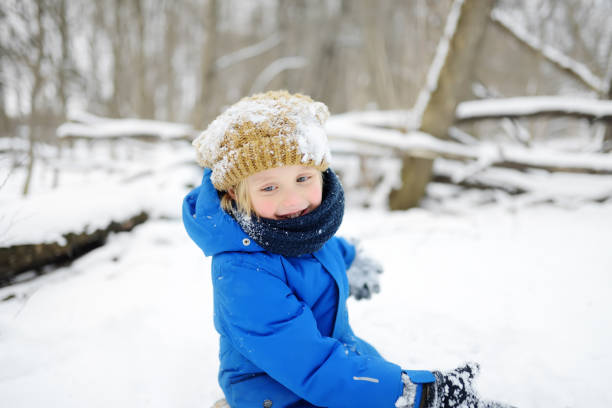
x,y
267,211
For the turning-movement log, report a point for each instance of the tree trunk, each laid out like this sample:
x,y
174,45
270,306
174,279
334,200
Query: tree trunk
x,y
4,121
321,78
117,45
170,45
376,55
283,27
607,142
452,86
36,87
202,111
63,26
144,101
93,84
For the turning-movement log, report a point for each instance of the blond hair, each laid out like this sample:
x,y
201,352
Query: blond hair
x,y
242,200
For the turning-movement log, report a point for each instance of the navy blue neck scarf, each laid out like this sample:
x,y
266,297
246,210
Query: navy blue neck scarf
x,y
301,235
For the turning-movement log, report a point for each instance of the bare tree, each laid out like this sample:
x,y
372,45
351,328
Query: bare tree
x,y
64,68
4,121
376,56
449,83
349,54
607,142
33,58
202,109
145,106
170,45
92,85
118,45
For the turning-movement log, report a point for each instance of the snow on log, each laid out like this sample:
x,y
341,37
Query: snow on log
x,y
418,144
88,126
538,185
17,259
533,106
57,225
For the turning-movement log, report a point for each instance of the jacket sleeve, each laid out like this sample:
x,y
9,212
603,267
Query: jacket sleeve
x,y
348,251
277,332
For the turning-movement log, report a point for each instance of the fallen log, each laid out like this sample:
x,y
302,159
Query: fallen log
x,y
87,126
17,259
422,145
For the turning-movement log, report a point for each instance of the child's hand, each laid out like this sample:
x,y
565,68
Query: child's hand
x,y
453,389
363,274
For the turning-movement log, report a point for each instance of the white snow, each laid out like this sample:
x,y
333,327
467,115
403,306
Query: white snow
x,y
91,126
521,284
534,104
562,188
95,190
46,217
526,293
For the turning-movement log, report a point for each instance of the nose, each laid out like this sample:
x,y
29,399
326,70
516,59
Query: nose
x,y
292,200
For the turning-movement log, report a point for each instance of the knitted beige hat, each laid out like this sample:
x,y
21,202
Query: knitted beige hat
x,y
264,131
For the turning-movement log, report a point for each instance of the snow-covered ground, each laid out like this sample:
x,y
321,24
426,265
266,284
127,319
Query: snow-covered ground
x,y
522,288
526,293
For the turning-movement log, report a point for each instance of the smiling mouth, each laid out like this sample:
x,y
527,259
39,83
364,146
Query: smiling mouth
x,y
293,215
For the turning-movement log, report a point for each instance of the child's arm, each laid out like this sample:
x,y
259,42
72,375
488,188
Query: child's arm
x,y
277,332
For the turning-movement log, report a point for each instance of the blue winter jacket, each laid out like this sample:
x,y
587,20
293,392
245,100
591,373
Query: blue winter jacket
x,y
271,345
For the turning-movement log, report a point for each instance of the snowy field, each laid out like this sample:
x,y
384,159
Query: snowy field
x,y
524,289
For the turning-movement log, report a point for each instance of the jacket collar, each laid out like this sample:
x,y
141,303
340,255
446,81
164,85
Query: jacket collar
x,y
211,228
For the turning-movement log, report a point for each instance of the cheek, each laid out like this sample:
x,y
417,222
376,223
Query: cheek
x,y
315,195
264,207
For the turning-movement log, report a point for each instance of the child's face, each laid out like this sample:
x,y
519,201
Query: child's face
x,y
285,192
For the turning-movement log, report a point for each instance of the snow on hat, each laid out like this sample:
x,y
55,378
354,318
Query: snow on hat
x,y
264,131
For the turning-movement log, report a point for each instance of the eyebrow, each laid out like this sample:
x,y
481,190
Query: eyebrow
x,y
305,169
264,180
258,180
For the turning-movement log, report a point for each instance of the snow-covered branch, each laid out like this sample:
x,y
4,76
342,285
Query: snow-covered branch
x,y
537,186
275,68
248,52
419,144
535,105
577,69
89,126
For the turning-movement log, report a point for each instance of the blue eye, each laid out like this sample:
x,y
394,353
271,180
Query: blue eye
x,y
269,188
302,179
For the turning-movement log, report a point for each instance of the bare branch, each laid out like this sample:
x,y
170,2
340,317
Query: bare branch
x,y
578,70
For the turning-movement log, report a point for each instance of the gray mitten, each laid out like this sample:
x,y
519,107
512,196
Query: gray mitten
x,y
363,274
